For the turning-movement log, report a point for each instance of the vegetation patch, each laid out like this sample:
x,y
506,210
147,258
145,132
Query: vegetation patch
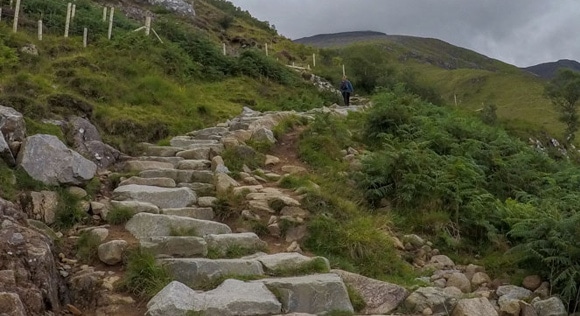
x,y
143,276
316,265
86,247
181,231
69,211
119,215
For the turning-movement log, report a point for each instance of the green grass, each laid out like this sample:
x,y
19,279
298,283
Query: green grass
x,y
233,251
119,215
317,265
86,247
69,212
143,276
214,283
181,231
356,299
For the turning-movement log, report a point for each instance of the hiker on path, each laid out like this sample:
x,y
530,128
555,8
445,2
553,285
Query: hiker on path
x,y
346,89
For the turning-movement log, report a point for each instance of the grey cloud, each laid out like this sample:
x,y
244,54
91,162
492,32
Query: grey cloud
x,y
520,32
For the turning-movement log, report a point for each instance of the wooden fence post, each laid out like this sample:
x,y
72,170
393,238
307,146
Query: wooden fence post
x,y
266,49
85,35
16,12
147,25
224,48
112,14
40,30
104,14
67,22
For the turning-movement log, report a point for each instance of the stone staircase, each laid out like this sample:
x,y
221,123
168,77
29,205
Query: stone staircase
x,y
172,199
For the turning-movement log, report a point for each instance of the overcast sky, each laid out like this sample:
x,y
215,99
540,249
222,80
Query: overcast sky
x,y
519,32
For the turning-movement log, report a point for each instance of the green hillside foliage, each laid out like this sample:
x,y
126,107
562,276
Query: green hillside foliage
x,y
470,186
133,87
445,74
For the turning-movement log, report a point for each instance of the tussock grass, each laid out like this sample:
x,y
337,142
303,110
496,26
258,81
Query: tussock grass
x,y
143,277
86,247
119,215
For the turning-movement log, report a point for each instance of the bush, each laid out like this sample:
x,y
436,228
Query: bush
x,y
86,247
119,215
69,212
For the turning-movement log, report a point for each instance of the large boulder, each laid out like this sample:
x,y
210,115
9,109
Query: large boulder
x,y
27,266
12,125
436,299
10,304
247,242
5,152
237,298
112,252
291,261
550,307
474,307
47,159
314,294
40,205
175,246
379,297
86,140
179,6
162,197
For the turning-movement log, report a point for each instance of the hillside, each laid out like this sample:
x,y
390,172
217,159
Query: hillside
x,y
548,70
460,76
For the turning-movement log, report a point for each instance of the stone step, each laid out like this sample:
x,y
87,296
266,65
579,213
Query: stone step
x,y
201,189
137,207
312,294
205,213
172,160
162,151
180,176
140,165
214,133
234,244
156,182
144,225
186,141
175,246
162,197
191,164
291,261
232,297
200,151
196,273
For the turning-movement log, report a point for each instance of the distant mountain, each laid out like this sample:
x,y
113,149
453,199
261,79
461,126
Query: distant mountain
x,y
548,70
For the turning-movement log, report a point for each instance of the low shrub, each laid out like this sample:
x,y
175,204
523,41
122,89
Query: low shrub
x,y
143,276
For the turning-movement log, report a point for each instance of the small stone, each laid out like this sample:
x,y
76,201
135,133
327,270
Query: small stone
x,y
272,160
532,282
77,192
274,230
111,252
73,310
427,311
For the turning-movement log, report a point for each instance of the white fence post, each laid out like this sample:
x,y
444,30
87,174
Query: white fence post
x,y
267,53
313,60
112,14
147,25
16,12
85,35
224,48
104,14
10,4
73,12
0,14
67,23
40,30
343,70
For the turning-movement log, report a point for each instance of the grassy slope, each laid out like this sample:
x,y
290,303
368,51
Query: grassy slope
x,y
474,78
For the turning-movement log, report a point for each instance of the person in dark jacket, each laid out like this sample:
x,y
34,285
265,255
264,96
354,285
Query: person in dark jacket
x,y
346,89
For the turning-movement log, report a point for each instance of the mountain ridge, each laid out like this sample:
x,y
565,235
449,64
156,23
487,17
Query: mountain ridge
x,y
549,69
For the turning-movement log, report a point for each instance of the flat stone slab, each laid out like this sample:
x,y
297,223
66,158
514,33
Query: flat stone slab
x,y
136,206
198,272
199,164
156,182
162,151
176,246
162,197
140,165
205,213
180,176
314,294
144,225
175,299
244,242
288,261
237,298
172,160
185,141
273,196
201,189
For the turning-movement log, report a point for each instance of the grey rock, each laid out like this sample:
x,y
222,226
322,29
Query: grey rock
x,y
314,294
289,261
162,197
196,272
234,297
11,305
380,297
12,125
140,165
176,246
162,151
103,155
150,225
532,282
5,152
179,6
223,182
174,161
176,299
209,133
480,278
248,242
474,307
186,141
550,307
41,205
441,262
433,298
206,201
57,164
194,165
205,213
201,189
136,206
460,281
218,165
112,252
157,182
263,134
